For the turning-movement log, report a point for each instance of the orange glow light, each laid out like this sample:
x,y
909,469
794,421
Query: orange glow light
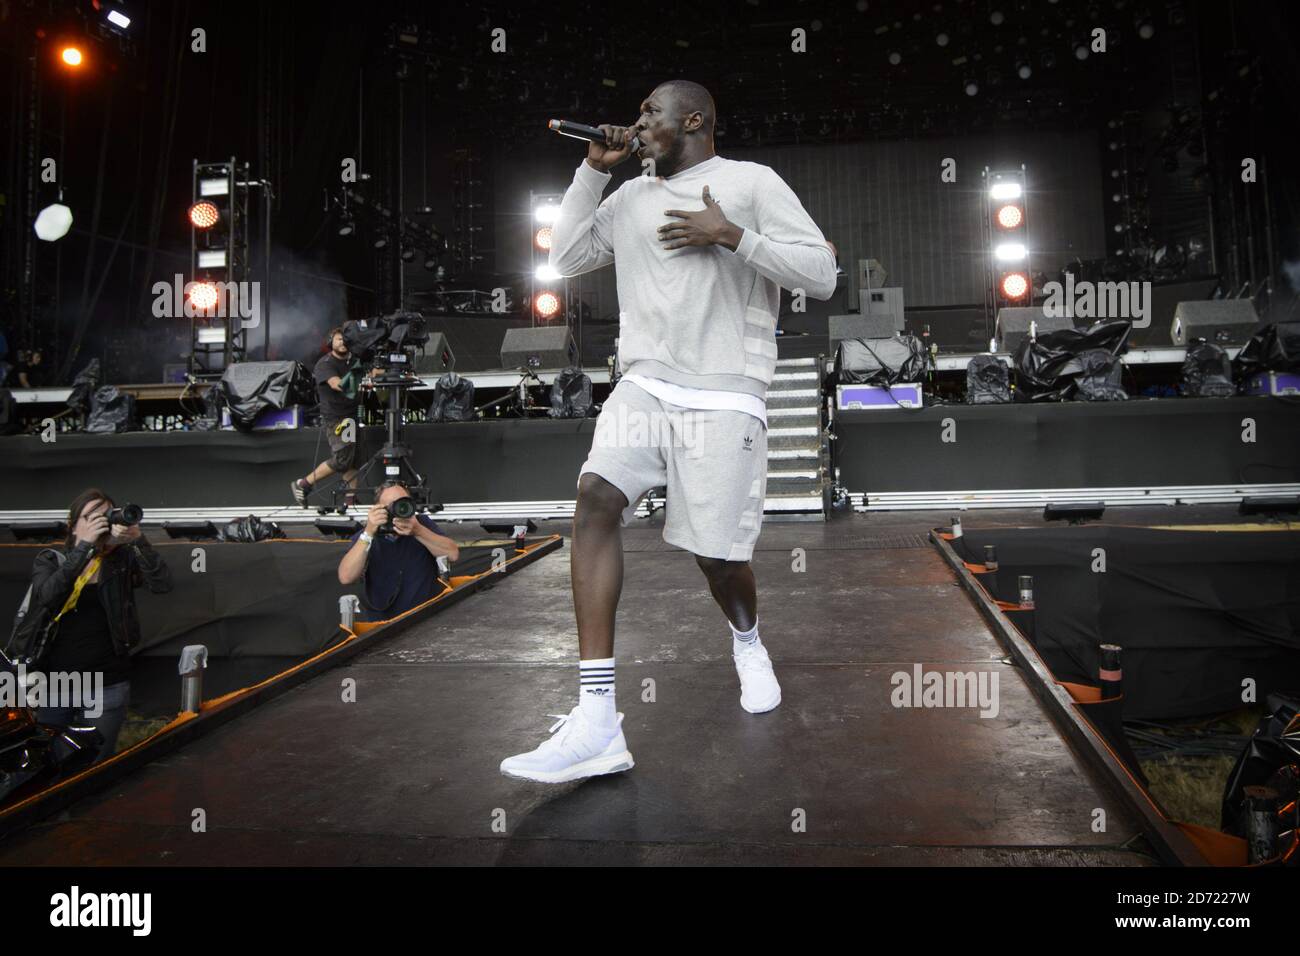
x,y
548,303
1010,216
1014,285
203,295
204,215
542,238
71,56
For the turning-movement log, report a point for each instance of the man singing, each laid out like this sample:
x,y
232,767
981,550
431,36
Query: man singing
x,y
701,249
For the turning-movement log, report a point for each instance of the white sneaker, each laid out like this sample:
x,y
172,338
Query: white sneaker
x,y
580,749
759,691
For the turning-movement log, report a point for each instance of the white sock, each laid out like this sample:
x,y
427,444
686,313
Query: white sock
x,y
596,691
741,640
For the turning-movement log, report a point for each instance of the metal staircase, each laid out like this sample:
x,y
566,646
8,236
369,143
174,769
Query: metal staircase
x,y
796,467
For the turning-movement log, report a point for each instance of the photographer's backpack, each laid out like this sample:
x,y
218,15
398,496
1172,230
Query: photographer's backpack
x,y
22,646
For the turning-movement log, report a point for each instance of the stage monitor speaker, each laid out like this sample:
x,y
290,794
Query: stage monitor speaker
x,y
437,358
871,274
550,347
859,327
883,302
1164,299
1221,322
1012,325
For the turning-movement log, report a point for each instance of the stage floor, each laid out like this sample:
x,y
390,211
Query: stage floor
x,y
408,774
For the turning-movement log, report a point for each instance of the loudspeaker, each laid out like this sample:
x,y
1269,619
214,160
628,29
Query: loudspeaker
x,y
859,327
551,347
883,302
1012,325
871,274
1164,299
437,357
1222,322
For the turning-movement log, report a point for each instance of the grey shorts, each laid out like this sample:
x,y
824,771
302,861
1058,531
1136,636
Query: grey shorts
x,y
343,454
713,463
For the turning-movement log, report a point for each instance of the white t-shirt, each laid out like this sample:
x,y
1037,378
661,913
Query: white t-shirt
x,y
684,397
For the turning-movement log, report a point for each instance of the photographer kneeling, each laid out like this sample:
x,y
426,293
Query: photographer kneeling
x,y
398,556
90,588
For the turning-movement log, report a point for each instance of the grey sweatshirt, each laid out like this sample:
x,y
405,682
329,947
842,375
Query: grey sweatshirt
x,y
698,316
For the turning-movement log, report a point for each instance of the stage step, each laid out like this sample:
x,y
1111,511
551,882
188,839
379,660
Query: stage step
x,y
805,377
795,476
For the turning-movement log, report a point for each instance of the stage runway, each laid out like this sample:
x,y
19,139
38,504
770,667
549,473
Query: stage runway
x,y
408,773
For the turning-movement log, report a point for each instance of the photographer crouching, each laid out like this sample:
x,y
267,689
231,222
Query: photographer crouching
x,y
397,554
88,590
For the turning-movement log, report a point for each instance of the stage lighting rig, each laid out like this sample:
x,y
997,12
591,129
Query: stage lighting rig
x,y
1007,269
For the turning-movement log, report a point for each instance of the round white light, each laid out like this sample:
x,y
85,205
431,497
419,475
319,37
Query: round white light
x,y
53,222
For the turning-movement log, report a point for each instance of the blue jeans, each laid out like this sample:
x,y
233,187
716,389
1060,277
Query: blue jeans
x,y
108,723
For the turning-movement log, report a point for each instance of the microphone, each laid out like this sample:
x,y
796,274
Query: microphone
x,y
582,131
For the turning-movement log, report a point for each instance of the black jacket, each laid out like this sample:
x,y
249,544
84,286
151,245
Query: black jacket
x,y
123,570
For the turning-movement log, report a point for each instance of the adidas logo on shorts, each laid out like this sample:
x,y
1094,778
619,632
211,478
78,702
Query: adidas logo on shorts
x,y
748,444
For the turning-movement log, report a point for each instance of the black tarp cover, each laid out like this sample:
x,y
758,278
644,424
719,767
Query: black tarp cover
x,y
250,388
1050,367
570,394
880,361
1273,348
1202,616
988,381
453,399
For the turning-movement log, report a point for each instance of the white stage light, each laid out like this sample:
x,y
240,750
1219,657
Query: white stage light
x,y
53,222
1010,251
546,273
1005,191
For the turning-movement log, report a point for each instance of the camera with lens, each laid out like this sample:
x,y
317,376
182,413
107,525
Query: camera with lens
x,y
401,508
126,515
387,343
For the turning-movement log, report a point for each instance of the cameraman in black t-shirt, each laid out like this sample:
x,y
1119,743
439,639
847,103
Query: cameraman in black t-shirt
x,y
335,409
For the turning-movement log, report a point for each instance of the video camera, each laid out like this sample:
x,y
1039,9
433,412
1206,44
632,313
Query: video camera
x,y
387,342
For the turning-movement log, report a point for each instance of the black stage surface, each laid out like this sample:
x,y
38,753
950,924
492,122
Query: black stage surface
x,y
408,774
1144,443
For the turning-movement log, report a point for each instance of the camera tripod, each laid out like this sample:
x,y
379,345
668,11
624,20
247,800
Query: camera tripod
x,y
393,460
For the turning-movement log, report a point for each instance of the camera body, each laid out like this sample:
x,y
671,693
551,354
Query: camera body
x,y
401,508
128,514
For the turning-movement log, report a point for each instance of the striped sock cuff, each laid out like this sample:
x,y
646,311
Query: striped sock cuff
x,y
745,637
596,676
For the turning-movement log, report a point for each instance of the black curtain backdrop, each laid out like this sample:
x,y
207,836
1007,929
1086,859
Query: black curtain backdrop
x,y
1196,612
